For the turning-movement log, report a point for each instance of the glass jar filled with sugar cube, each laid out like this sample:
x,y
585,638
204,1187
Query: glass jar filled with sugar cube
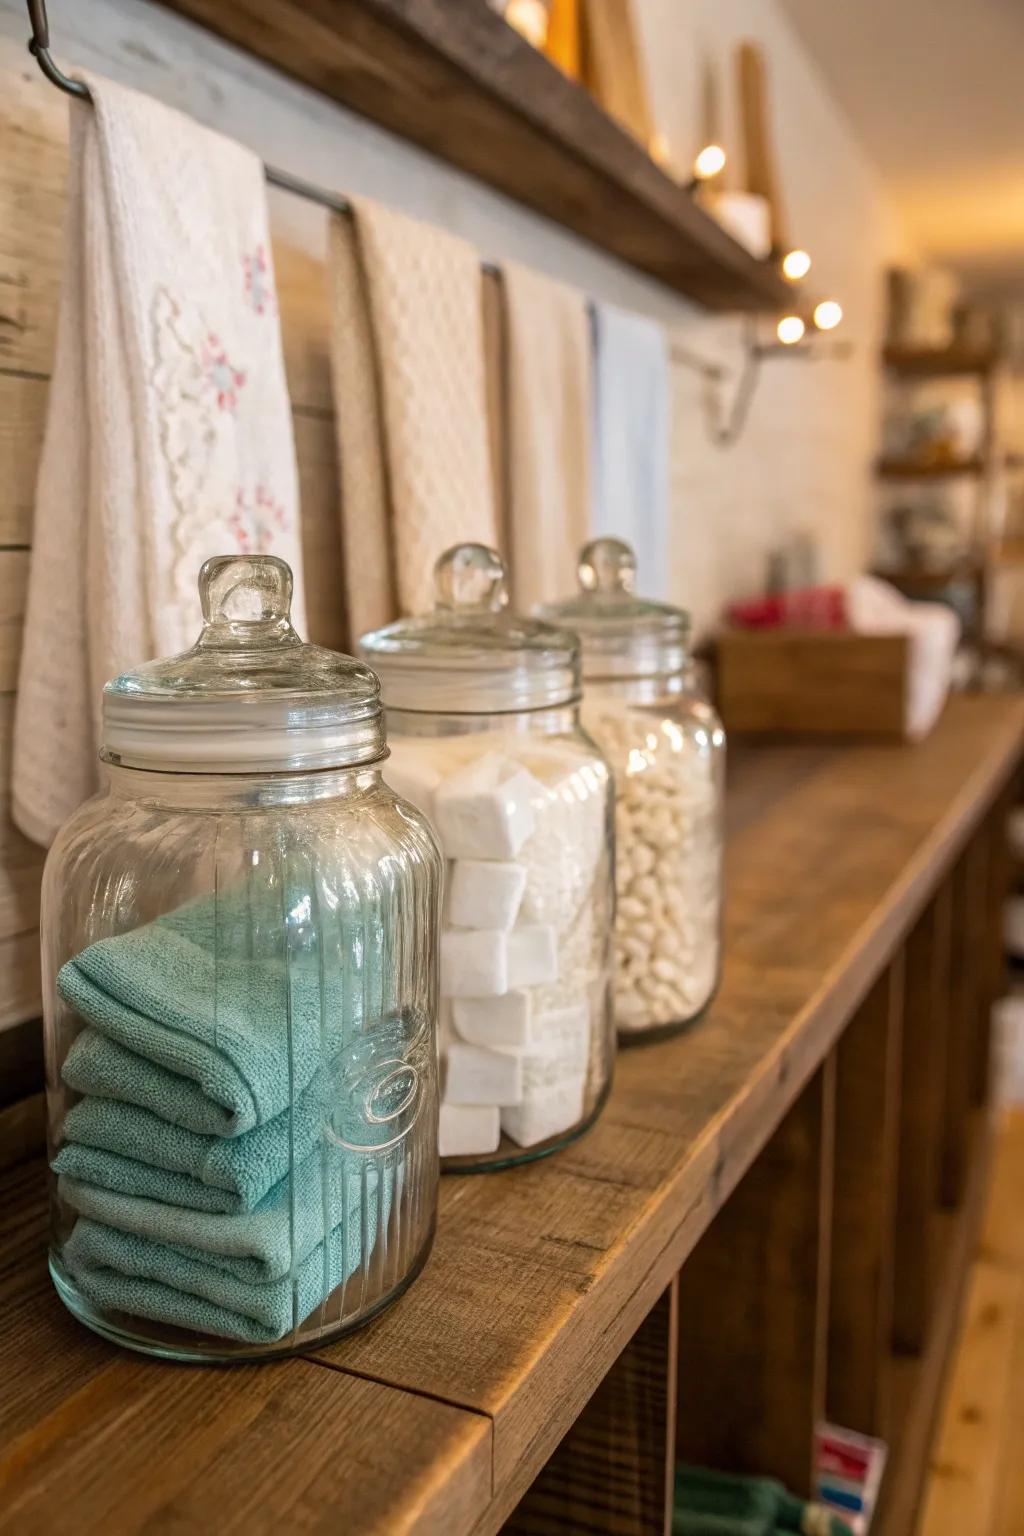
x,y
240,992
643,705
485,737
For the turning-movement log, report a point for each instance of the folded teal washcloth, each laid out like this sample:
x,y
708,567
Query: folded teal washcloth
x,y
125,1273
259,1245
214,993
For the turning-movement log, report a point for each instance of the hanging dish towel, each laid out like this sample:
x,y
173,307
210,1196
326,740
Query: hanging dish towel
x,y
169,435
547,400
407,355
631,440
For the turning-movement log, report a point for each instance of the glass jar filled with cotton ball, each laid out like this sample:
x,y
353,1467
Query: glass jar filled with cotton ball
x,y
483,726
643,705
240,991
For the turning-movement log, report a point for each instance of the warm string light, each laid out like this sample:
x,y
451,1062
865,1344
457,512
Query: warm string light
x,y
827,315
710,162
795,265
790,330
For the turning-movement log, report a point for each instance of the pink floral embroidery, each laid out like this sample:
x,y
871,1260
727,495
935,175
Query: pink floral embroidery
x,y
258,287
256,520
221,373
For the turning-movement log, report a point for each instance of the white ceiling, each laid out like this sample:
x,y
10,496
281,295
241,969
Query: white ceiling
x,y
935,91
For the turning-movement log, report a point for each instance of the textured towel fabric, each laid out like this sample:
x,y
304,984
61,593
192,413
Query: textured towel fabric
x,y
259,1245
547,396
407,357
630,475
132,1274
246,1030
169,434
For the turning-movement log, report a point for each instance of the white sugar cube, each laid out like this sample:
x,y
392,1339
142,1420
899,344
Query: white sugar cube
x,y
413,776
474,962
545,1114
532,955
465,1129
561,1039
476,1075
485,893
493,1021
485,810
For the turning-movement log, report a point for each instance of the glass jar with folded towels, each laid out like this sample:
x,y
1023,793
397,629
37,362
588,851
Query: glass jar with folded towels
x,y
483,724
644,707
240,980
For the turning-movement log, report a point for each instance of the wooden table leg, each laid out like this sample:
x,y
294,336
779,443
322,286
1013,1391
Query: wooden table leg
x,y
753,1306
864,1201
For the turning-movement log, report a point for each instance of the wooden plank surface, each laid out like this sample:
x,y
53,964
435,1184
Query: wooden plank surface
x,y
540,1276
864,1200
510,117
94,1440
753,1307
975,1449
922,1100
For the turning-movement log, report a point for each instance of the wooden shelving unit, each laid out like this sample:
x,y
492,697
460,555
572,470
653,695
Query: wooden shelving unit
x,y
769,1222
939,362
913,469
453,77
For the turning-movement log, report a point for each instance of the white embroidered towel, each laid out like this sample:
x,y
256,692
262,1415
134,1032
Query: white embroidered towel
x,y
407,355
631,440
547,397
169,434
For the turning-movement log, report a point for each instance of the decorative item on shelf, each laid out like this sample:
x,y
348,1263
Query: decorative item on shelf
x,y
562,44
612,67
485,738
239,942
761,177
643,705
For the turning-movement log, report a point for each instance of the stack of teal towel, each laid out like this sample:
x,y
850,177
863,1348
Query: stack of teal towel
x,y
208,1194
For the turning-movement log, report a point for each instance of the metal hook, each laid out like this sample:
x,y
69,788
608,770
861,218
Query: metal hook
x,y
39,47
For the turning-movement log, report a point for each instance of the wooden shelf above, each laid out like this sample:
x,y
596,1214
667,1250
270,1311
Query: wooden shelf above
x,y
454,78
939,362
910,469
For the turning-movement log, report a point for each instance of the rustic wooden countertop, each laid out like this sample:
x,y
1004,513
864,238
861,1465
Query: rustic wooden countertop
x,y
438,1415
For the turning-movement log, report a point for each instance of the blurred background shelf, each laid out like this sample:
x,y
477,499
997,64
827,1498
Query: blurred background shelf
x,y
912,469
456,79
939,362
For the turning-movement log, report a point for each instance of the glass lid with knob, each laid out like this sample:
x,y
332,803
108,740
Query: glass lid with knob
x,y
621,633
471,655
250,695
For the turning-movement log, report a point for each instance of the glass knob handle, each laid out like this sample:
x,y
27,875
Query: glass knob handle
x,y
607,565
245,589
471,578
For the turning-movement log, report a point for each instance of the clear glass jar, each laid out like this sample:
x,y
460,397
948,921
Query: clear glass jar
x,y
239,941
643,705
483,722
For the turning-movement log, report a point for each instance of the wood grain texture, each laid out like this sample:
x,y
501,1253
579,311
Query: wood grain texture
x,y
22,418
968,1011
916,1380
95,1440
753,1307
593,1236
510,117
922,1100
613,1474
815,683
976,1448
863,1207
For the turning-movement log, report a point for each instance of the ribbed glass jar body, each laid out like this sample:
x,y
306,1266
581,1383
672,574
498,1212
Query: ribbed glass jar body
x,y
522,804
666,748
240,995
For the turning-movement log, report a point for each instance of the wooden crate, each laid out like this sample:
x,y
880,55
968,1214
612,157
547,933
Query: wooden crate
x,y
821,682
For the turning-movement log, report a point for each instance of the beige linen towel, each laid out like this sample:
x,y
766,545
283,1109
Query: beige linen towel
x,y
169,434
407,358
547,403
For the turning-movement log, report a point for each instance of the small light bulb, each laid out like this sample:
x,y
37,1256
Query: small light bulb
x,y
827,315
790,330
795,265
530,19
709,162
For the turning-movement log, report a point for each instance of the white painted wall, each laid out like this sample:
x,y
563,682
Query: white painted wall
x,y
804,459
